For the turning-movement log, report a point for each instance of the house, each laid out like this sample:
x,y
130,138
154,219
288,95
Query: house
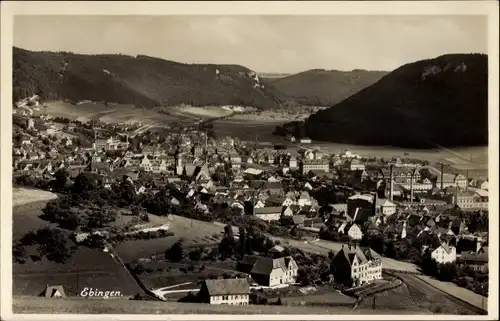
x,y
395,232
54,291
268,271
364,201
356,165
304,199
468,243
273,188
288,211
268,213
444,254
298,220
320,165
305,140
225,291
355,266
277,251
458,226
481,184
288,202
355,232
235,159
402,173
384,206
476,261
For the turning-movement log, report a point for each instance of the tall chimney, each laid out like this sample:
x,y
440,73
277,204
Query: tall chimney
x,y
411,187
392,184
467,180
442,176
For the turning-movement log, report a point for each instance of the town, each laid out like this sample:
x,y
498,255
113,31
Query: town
x,y
292,216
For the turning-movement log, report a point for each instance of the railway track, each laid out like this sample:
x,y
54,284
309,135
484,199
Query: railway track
x,y
439,296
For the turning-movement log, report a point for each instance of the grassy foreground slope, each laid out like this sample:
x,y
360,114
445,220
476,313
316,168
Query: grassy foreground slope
x,y
23,304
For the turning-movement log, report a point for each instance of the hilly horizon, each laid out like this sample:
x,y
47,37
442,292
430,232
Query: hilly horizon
x,y
435,101
142,80
320,87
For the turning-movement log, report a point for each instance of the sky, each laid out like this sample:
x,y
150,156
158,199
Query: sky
x,y
281,44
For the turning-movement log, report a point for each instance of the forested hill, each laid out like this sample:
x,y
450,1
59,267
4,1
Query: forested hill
x,y
442,101
142,80
319,87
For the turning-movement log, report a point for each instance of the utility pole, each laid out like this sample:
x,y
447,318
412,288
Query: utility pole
x,y
442,175
411,186
467,180
391,183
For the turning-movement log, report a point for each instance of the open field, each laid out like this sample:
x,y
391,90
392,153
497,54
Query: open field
x,y
246,129
200,112
269,116
23,304
331,297
171,276
396,300
86,267
192,232
25,218
21,196
114,113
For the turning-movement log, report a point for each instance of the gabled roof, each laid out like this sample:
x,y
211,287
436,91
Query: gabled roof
x,y
265,265
227,286
268,210
298,219
474,257
54,291
370,254
350,254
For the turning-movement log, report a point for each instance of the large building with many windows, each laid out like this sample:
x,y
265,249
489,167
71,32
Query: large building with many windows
x,y
320,165
355,265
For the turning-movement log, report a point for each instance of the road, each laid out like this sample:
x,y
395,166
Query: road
x,y
323,247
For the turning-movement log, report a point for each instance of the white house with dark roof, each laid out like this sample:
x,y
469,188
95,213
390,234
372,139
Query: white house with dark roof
x,y
355,232
272,213
225,291
268,271
444,254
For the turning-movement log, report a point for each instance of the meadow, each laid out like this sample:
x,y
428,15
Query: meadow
x,y
86,268
192,232
23,304
113,113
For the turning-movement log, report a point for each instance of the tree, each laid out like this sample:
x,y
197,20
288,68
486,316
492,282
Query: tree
x,y
195,255
84,186
100,218
19,252
175,253
95,240
70,220
54,244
